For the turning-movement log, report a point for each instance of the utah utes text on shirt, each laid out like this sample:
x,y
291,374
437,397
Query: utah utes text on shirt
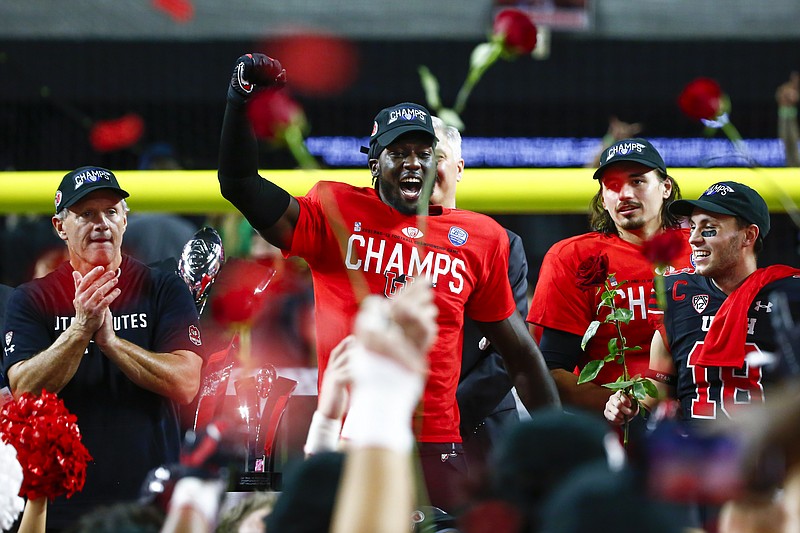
x,y
131,321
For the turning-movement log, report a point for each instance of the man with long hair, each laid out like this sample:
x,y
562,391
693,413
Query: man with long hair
x,y
629,208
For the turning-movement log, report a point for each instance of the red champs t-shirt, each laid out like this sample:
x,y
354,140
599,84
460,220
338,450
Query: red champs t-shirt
x,y
356,245
558,303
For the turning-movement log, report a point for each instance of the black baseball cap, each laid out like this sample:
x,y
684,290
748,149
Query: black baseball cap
x,y
728,198
82,181
637,149
392,122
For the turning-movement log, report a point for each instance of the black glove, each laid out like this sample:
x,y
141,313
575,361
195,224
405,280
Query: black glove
x,y
253,72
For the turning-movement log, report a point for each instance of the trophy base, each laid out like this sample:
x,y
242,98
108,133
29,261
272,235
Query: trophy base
x,y
258,481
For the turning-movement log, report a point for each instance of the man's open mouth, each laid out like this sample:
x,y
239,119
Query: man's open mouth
x,y
411,188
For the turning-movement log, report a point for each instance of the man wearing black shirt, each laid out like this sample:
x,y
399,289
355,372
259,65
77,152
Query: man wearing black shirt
x,y
117,341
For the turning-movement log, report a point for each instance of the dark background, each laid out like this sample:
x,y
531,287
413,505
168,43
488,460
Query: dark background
x,y
179,88
51,90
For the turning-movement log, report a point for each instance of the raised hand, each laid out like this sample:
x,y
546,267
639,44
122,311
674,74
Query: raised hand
x,y
788,93
253,72
333,395
402,329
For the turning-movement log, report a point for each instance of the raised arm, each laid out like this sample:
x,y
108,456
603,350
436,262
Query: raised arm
x,y
272,211
523,360
389,367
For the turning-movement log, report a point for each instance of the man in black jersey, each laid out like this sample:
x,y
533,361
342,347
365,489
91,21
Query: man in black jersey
x,y
119,342
709,349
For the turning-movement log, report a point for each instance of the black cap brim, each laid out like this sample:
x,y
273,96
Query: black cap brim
x,y
649,164
686,207
80,195
390,136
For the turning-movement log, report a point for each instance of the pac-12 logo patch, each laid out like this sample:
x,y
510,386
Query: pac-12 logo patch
x,y
700,302
412,233
457,236
194,335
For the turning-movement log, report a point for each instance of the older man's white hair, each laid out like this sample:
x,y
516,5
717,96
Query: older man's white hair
x,y
449,134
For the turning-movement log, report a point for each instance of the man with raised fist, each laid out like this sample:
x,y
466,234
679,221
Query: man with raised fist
x,y
370,240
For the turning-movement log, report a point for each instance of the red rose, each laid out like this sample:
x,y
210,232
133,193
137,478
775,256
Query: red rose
x,y
701,99
319,64
592,272
664,247
116,134
239,292
271,112
517,30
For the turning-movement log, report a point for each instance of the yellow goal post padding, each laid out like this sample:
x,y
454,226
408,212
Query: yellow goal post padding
x,y
491,191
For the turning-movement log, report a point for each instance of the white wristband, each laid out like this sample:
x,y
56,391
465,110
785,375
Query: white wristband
x,y
384,395
323,434
202,496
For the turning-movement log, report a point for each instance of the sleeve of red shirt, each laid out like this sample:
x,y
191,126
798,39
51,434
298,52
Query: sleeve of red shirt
x,y
558,303
310,224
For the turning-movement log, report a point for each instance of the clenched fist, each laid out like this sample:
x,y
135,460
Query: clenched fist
x,y
253,72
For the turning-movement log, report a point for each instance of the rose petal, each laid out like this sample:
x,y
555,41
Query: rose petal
x,y
517,29
180,10
701,99
116,134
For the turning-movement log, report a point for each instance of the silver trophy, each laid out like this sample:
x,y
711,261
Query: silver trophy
x,y
262,400
201,260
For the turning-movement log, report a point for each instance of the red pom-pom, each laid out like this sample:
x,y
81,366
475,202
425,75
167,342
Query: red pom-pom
x,y
48,443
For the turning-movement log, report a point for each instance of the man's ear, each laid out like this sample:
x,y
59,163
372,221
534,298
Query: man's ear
x,y
751,234
667,187
58,225
374,168
460,168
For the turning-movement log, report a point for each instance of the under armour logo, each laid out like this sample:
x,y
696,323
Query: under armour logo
x,y
9,350
760,306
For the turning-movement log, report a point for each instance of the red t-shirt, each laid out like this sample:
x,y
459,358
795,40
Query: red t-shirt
x,y
357,245
558,303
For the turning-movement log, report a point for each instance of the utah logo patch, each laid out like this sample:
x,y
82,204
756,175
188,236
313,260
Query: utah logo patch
x,y
700,302
194,335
